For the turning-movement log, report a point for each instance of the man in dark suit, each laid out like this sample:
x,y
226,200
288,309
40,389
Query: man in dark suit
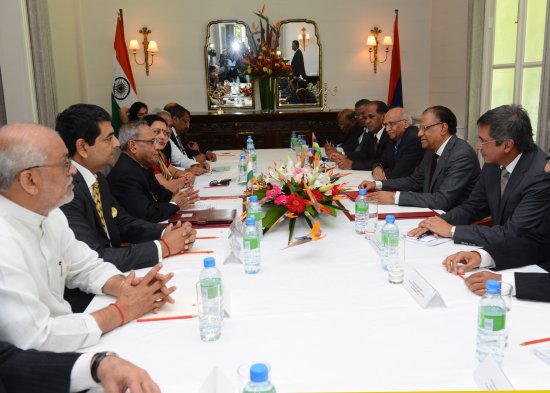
x,y
133,182
533,248
513,188
404,152
33,371
89,137
445,176
297,63
372,142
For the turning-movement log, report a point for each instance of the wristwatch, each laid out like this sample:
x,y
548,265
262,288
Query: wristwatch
x,y
97,360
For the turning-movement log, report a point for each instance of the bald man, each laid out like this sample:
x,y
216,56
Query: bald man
x,y
404,152
350,132
40,254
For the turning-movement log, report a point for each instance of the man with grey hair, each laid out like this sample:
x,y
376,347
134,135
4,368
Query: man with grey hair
x,y
133,181
40,255
513,188
404,152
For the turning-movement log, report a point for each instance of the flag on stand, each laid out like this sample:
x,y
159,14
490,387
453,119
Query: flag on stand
x,y
314,143
249,172
124,92
395,91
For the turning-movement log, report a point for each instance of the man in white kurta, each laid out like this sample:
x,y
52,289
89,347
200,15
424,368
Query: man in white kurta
x,y
39,254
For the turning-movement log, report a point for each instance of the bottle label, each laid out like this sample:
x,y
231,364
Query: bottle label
x,y
390,240
362,208
493,323
253,158
251,243
211,291
257,216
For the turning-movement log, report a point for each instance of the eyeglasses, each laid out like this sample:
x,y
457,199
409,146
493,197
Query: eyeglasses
x,y
481,142
391,124
66,164
153,141
426,128
163,130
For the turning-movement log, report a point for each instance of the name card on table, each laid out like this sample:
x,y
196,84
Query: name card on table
x,y
489,376
217,382
421,290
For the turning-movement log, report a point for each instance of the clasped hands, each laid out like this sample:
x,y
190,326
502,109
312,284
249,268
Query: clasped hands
x,y
185,197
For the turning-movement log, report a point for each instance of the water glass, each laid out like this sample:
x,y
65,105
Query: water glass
x,y
372,220
396,269
506,290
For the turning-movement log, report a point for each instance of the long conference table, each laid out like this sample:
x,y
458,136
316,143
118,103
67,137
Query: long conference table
x,y
323,314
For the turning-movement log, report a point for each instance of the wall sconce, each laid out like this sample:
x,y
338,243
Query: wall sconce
x,y
372,43
149,48
304,38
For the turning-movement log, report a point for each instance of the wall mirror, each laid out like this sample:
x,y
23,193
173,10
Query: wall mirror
x,y
227,41
300,44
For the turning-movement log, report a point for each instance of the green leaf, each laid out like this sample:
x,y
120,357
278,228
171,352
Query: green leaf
x,y
332,210
291,225
272,215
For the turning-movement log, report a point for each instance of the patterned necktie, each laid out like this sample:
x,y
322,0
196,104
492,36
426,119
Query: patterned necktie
x,y
395,150
433,166
504,176
97,199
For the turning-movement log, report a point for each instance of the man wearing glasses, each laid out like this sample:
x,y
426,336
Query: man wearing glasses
x,y
94,215
133,181
513,188
445,176
404,152
40,255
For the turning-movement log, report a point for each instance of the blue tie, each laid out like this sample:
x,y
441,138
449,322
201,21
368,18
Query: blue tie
x,y
395,150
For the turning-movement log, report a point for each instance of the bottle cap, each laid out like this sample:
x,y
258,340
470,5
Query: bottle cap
x,y
253,198
362,191
390,219
259,372
492,287
209,262
250,221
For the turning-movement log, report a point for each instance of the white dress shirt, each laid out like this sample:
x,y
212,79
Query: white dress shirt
x,y
40,255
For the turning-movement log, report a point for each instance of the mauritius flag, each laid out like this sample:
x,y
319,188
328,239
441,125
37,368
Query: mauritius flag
x,y
124,92
395,91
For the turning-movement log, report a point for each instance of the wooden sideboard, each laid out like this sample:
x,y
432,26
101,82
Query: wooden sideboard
x,y
269,130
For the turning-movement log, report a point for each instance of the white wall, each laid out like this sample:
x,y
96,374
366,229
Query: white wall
x,y
448,58
16,63
83,34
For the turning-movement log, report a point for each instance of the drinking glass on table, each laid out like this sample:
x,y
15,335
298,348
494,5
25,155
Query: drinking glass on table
x,y
506,290
396,268
372,220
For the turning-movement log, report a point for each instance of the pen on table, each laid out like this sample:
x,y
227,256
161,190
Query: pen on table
x,y
196,252
165,318
461,276
425,234
206,237
541,340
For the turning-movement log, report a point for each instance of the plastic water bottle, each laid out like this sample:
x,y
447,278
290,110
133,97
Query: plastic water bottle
x,y
242,168
249,143
361,211
255,210
491,323
211,301
259,380
251,247
292,140
390,243
298,144
254,159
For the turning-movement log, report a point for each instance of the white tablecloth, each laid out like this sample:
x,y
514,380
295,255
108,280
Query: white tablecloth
x,y
326,319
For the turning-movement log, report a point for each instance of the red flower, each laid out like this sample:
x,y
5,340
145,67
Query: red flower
x,y
336,190
295,204
317,194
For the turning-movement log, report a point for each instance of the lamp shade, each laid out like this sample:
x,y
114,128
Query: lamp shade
x,y
388,41
371,41
133,45
153,47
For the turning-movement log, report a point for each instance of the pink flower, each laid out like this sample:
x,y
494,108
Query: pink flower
x,y
281,200
274,192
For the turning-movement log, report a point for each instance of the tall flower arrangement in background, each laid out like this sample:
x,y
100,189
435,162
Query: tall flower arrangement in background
x,y
266,64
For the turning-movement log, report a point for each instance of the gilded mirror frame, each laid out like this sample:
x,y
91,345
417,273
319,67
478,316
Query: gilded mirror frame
x,y
211,105
320,83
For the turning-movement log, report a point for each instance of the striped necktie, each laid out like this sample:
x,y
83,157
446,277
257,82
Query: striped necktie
x,y
97,200
504,177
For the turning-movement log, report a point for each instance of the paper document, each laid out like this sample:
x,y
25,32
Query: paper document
x,y
185,307
429,240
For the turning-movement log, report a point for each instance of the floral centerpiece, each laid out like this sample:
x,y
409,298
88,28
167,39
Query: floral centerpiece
x,y
266,64
292,190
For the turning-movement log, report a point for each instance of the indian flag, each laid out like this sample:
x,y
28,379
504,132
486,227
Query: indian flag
x,y
249,172
124,92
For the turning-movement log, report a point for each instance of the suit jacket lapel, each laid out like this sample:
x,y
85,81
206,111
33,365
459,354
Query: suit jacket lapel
x,y
515,179
442,161
86,191
108,213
